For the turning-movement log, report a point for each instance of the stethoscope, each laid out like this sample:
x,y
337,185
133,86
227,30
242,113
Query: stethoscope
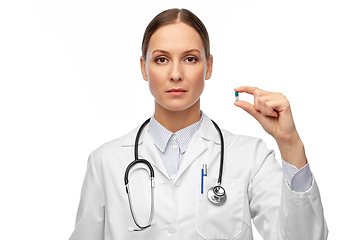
x,y
216,194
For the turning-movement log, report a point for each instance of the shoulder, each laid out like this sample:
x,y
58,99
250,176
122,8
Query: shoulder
x,y
251,150
116,146
249,154
233,142
238,140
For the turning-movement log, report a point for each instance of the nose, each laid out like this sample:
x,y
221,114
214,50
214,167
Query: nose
x,y
176,72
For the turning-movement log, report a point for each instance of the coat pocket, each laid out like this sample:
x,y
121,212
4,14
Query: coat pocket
x,y
224,221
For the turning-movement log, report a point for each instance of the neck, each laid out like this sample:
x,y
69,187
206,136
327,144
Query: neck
x,y
176,120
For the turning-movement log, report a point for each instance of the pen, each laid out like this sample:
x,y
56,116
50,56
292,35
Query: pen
x,y
202,180
203,173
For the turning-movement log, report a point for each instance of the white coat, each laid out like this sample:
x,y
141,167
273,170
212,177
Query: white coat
x,y
252,178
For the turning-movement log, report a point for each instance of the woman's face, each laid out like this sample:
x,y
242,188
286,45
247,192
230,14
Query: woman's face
x,y
176,66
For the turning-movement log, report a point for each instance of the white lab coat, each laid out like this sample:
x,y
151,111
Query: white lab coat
x,y
252,178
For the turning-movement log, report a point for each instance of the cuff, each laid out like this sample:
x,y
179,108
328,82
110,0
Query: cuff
x,y
299,180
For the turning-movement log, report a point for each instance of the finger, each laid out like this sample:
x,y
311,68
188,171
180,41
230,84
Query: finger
x,y
280,105
270,110
249,108
266,106
256,92
247,89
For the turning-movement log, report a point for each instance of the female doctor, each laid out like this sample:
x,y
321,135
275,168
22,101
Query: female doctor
x,y
198,193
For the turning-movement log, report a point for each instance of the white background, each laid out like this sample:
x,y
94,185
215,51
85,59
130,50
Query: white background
x,y
71,81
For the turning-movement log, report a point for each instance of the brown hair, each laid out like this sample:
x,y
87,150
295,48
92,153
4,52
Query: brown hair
x,y
172,16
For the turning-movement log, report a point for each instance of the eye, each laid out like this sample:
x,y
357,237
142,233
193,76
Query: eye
x,y
161,60
190,59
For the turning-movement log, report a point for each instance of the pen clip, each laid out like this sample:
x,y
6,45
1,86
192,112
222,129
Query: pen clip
x,y
205,169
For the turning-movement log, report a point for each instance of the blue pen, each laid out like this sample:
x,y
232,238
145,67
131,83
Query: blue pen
x,y
202,181
203,173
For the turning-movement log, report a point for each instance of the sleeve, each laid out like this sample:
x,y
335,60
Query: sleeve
x,y
91,211
299,180
278,212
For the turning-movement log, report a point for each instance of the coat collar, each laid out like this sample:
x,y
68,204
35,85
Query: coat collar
x,y
197,146
207,131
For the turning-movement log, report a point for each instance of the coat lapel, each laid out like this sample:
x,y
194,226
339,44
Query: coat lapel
x,y
147,150
197,146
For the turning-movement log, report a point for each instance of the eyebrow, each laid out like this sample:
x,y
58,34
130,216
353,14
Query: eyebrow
x,y
184,53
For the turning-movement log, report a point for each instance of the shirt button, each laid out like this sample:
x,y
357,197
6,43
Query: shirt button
x,y
171,229
174,147
174,137
173,177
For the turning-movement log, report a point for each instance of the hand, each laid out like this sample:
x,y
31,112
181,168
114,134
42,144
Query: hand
x,y
272,111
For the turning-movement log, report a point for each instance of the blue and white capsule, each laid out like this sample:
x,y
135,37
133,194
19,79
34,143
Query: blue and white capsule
x,y
236,96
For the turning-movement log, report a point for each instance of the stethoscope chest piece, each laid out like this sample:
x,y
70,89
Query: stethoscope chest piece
x,y
217,195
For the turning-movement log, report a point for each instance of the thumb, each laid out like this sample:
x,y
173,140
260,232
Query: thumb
x,y
249,108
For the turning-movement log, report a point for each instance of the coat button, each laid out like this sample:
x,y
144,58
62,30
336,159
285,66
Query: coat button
x,y
171,229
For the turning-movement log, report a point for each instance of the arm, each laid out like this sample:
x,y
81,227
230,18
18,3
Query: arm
x,y
300,214
278,212
90,216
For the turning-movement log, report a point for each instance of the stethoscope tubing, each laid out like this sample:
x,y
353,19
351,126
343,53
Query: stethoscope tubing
x,y
221,153
151,210
136,154
152,177
216,194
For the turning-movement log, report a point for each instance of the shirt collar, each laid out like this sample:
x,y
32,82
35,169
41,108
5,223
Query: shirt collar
x,y
161,135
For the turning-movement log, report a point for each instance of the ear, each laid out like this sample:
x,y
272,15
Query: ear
x,y
143,68
209,66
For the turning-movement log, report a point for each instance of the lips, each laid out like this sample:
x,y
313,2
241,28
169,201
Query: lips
x,y
176,91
